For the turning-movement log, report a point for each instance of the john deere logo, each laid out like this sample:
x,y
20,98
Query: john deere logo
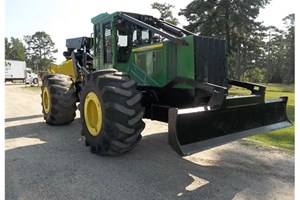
x,y
7,64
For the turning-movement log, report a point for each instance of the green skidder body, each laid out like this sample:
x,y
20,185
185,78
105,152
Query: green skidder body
x,y
150,61
144,67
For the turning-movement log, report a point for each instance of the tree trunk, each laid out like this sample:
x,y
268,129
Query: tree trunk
x,y
227,30
238,69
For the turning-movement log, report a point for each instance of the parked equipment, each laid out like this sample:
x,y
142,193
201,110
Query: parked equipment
x,y
16,71
144,67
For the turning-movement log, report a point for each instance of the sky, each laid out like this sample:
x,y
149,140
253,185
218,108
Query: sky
x,y
63,19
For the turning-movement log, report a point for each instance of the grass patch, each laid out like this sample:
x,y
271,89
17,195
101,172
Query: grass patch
x,y
281,88
238,91
282,138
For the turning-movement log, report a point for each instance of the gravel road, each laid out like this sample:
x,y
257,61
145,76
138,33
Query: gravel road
x,y
52,162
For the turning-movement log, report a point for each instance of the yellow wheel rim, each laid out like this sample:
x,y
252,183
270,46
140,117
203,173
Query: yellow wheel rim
x,y
46,100
93,114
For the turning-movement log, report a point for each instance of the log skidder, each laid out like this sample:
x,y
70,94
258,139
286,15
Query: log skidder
x,y
176,76
111,112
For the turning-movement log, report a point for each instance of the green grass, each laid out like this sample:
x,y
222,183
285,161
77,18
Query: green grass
x,y
282,138
281,88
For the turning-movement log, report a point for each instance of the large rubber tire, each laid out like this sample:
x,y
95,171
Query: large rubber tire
x,y
58,99
111,112
35,81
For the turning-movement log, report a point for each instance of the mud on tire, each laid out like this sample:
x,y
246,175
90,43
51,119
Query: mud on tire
x,y
120,111
58,99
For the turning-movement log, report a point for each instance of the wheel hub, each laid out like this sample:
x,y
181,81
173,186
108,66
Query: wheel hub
x,y
46,100
93,114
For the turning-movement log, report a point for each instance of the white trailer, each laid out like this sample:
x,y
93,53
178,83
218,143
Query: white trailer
x,y
16,70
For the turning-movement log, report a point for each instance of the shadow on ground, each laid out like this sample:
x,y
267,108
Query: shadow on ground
x,y
59,166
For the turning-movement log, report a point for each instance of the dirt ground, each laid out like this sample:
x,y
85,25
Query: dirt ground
x,y
52,162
